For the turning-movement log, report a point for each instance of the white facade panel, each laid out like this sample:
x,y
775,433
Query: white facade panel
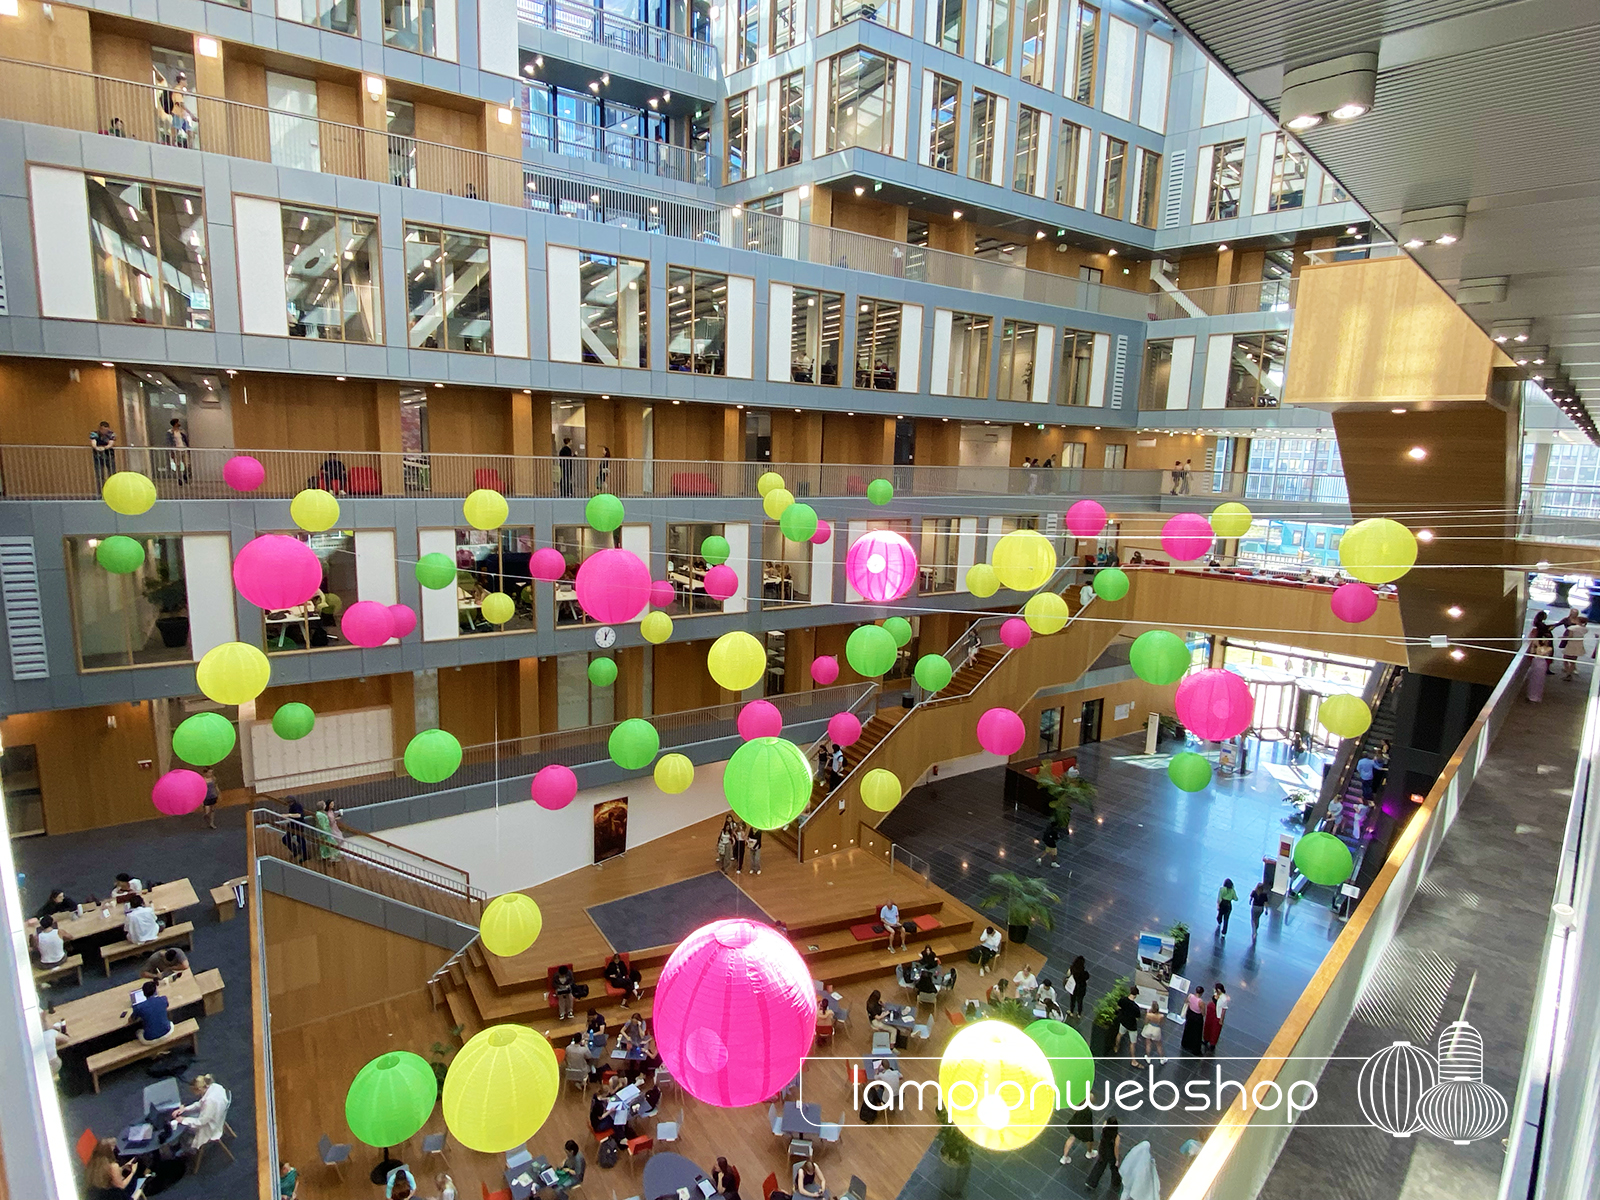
x,y
508,296
780,319
61,246
939,379
1154,84
739,559
561,284
902,105
497,37
208,582
258,237
1219,352
1122,48
441,618
1182,372
1044,357
1099,366
741,326
910,366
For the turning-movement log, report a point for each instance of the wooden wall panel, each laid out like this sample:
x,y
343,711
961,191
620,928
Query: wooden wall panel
x,y
89,773
469,421
122,57
858,439
60,40
41,405
328,696
691,431
870,217
481,702
247,82
1145,698
303,412
1043,256
681,678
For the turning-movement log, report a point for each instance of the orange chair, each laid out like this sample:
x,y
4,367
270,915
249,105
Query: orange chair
x,y
502,1194
616,991
640,1145
87,1141
956,1019
769,1185
364,481
824,1032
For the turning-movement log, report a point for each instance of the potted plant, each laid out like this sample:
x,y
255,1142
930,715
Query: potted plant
x,y
955,1157
1012,1011
1026,901
1066,793
440,1062
1103,1037
170,598
1172,729
1179,933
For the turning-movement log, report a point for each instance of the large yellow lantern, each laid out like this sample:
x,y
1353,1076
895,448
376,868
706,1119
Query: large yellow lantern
x,y
498,608
510,924
997,1085
1045,612
656,627
485,509
880,790
233,673
737,661
1231,520
128,493
1023,560
982,581
500,1088
769,481
314,510
1345,715
776,501
674,773
1377,550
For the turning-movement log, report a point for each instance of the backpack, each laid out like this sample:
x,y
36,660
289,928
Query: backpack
x,y
606,1156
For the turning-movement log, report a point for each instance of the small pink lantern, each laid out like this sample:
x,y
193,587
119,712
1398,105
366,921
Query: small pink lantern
x,y
1187,536
735,1013
1015,633
721,582
243,473
274,571
1086,518
881,566
1353,602
824,670
844,728
404,617
179,792
367,624
554,787
1214,703
823,533
1001,731
663,594
759,719
547,564
613,586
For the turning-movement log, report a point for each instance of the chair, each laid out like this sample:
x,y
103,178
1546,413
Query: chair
x,y
487,477
640,1145
824,1032
502,1194
363,481
432,1144
333,1154
956,1019
87,1141
801,1148
162,1095
931,999
616,991
922,1031
769,1185
856,1191
882,1041
668,1131
774,1118
664,1079
578,1077
830,1133
841,1016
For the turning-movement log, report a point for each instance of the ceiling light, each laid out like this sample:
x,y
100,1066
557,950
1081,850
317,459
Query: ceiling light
x,y
805,190
667,96
1399,411
1220,248
1415,244
1417,452
1455,611
955,214
1522,362
1446,239
208,47
1111,253
1039,236
106,364
1304,122
503,115
654,102
861,191
1458,654
594,87
438,385
605,79
1341,88
1443,225
538,60
1425,536
339,378
1348,112
374,85
1350,229
1521,337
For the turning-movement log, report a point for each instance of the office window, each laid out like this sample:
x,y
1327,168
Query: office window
x,y
1116,456
1035,25
1072,182
687,570
880,12
994,35
985,111
739,136
1031,127
314,625
129,620
816,335
1290,165
330,268
861,101
1083,38
1146,188
576,543
1072,454
785,569
1227,181
411,25
613,310
447,290
969,356
941,544
746,32
1077,365
1113,170
944,134
150,253
1255,370
791,118
788,25
337,15
878,345
495,560
949,24
1331,192
1156,375
1019,341
697,320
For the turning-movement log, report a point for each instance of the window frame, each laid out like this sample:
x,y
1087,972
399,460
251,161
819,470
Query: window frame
x,y
1075,47
1075,360
1112,151
791,131
373,249
941,11
823,299
741,103
979,327
1069,142
983,141
79,578
1286,150
641,285
796,11
746,31
1217,185
687,282
941,102
1039,142
1035,33
836,139
156,244
868,313
990,32
1146,195
442,292
1012,333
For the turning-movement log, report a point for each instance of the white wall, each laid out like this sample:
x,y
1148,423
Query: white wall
x,y
910,365
1155,84
1182,372
1044,357
208,582
561,275
780,317
1099,363
939,377
1122,46
497,37
61,243
258,239
341,745
441,618
739,559
741,326
1219,353
508,295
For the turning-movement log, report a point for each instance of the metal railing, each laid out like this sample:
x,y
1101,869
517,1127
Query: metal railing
x,y
592,23
1560,512
1262,296
265,1084
612,147
899,856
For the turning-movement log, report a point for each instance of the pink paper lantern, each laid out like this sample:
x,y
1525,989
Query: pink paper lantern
x,y
1214,703
613,586
881,566
1353,602
1086,518
404,618
547,564
844,728
735,1013
823,533
759,719
824,670
663,594
178,792
367,624
243,473
1187,536
1001,731
1015,633
721,582
274,571
554,787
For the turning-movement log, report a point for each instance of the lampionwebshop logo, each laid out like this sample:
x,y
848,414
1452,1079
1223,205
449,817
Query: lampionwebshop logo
x,y
1403,1089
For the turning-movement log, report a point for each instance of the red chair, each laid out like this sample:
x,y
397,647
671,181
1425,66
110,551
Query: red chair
x,y
487,477
640,1145
502,1194
956,1019
550,990
87,1141
616,991
769,1185
824,1032
364,481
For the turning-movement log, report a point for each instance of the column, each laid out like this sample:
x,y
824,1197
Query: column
x,y
391,465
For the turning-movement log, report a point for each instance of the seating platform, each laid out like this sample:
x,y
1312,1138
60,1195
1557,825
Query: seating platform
x,y
134,1050
72,965
172,935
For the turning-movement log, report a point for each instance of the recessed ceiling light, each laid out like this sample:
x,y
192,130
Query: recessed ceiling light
x,y
1455,611
1220,248
955,214
1521,337
1348,112
1111,253
1401,411
1304,122
1501,338
106,364
1417,452
1417,244
1458,654
1039,236
861,191
1425,536
1350,229
1445,239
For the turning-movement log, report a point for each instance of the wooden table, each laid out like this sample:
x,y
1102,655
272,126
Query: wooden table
x,y
105,1012
163,898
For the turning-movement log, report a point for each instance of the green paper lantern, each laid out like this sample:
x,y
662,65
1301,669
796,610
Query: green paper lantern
x,y
933,672
432,756
602,672
120,555
1323,858
633,744
293,721
870,650
436,571
603,512
899,629
798,522
204,739
1159,657
1071,1060
715,550
1111,583
767,782
391,1099
1189,771
880,491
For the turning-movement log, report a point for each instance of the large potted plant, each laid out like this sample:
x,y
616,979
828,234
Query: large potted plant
x,y
955,1157
1103,1037
1012,1011
1065,794
1179,933
170,598
1027,901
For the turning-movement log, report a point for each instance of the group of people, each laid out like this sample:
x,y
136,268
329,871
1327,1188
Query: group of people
x,y
1546,642
103,446
830,763
202,1121
1180,477
735,842
327,835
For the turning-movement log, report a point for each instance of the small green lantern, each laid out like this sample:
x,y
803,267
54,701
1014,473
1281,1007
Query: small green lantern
x,y
204,739
432,756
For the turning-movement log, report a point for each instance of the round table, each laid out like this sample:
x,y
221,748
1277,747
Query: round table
x,y
665,1173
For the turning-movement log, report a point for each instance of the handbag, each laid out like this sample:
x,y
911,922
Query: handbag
x,y
1071,986
580,991
974,954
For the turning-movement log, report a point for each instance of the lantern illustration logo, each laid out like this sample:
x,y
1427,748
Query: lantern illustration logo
x,y
1403,1089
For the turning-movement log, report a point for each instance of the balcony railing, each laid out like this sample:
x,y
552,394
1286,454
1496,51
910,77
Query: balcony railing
x,y
591,23
1561,512
612,147
1262,296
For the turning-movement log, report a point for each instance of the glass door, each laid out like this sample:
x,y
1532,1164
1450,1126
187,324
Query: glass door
x,y
19,777
292,123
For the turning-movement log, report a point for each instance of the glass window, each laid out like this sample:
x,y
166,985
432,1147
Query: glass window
x,y
314,625
129,620
687,570
1031,127
985,109
337,15
1018,343
1255,370
330,268
948,24
613,310
1082,41
1035,25
447,290
1290,165
816,333
861,101
739,136
969,356
150,254
1077,363
994,35
1227,181
881,12
747,32
788,25
1116,456
491,561
1071,178
1146,188
576,543
1113,175
578,702
785,569
791,120
878,344
411,25
941,543
1331,192
944,135
176,112
1156,375
697,307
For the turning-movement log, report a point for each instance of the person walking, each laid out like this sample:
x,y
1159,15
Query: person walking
x,y
1188,470
1077,986
1177,477
1541,649
1106,1157
1151,1032
327,842
1128,1015
1080,1128
753,842
836,766
1216,1014
725,846
603,473
1259,895
566,456
1367,773
1573,626
1194,1019
739,837
1225,898
213,797
1048,840
104,443
178,451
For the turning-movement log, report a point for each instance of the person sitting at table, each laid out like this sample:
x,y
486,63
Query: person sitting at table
x,y
988,948
926,984
928,960
400,1184
725,1178
889,1075
105,1174
51,945
140,924
161,964
288,1182
635,1035
1025,981
574,1166
824,1015
59,902
1045,998
808,1180
151,1014
997,991
875,1013
446,1186
577,1055
126,886
207,1117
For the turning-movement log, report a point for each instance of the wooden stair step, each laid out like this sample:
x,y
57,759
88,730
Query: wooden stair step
x,y
880,963
464,1013
560,1033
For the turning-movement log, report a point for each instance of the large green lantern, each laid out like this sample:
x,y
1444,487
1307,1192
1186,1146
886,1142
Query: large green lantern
x,y
870,650
767,782
1159,656
633,744
603,512
1071,1060
204,739
1189,771
391,1098
602,672
1111,584
435,571
120,555
1323,858
798,522
432,756
715,550
933,672
900,629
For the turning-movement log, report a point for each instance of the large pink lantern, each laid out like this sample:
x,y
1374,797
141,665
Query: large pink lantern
x,y
1215,704
367,624
179,792
1086,518
275,572
663,594
554,787
404,618
721,582
243,473
1353,602
1187,536
547,564
844,728
759,719
1015,633
735,1013
1001,731
823,533
613,586
824,670
881,566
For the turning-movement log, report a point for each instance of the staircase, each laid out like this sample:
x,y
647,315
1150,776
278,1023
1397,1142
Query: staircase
x,y
1382,696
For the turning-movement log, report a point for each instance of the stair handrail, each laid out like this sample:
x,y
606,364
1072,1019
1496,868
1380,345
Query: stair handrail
x,y
453,959
277,823
1337,781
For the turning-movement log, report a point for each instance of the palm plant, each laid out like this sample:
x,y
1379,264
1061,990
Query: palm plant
x,y
1066,793
1027,902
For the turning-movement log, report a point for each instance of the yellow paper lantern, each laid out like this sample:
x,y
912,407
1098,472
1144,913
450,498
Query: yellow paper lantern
x,y
128,493
498,608
982,581
485,509
500,1088
314,510
510,924
1345,715
1023,560
674,773
997,1085
1231,520
775,501
1045,613
769,481
737,661
880,790
1377,550
656,627
233,673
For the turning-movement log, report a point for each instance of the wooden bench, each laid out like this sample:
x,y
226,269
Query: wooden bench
x,y
170,936
72,965
210,983
225,898
134,1050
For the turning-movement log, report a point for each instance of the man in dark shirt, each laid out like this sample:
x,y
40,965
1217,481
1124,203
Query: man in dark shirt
x,y
104,442
151,1013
